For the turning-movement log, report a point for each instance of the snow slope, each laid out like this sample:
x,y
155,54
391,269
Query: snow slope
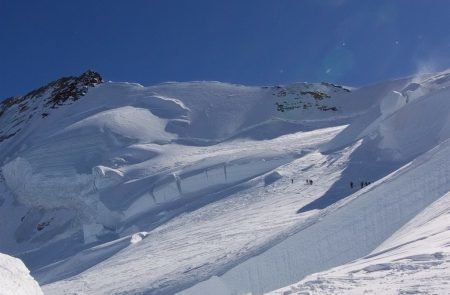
x,y
347,230
15,278
201,185
80,159
415,260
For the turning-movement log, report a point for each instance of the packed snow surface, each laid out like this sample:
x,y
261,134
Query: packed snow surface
x,y
208,187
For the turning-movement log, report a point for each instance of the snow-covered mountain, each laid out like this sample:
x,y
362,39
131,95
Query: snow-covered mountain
x,y
203,187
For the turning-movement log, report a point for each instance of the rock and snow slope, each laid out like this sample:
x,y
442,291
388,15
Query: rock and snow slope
x,y
187,187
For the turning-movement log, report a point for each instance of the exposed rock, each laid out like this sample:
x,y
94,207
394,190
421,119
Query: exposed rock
x,y
18,110
60,90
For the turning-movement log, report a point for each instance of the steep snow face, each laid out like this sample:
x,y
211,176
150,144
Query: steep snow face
x,y
415,260
405,123
351,229
422,85
15,278
411,131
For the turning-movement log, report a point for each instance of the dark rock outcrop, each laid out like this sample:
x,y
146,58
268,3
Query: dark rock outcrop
x,y
18,110
64,89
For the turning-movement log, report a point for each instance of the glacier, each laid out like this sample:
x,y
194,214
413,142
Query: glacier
x,y
197,187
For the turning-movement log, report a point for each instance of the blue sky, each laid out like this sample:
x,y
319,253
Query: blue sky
x,y
254,42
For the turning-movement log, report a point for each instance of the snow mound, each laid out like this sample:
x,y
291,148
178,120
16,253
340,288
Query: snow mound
x,y
134,123
136,238
15,278
272,177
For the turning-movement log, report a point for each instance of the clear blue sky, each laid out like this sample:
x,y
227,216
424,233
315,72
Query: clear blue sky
x,y
254,42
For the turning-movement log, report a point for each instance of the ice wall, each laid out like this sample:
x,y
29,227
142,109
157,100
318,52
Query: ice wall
x,y
191,184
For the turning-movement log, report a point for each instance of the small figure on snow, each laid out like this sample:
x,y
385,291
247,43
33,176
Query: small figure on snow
x,y
351,184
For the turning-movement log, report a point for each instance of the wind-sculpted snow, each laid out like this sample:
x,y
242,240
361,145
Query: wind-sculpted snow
x,y
399,129
212,185
134,123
